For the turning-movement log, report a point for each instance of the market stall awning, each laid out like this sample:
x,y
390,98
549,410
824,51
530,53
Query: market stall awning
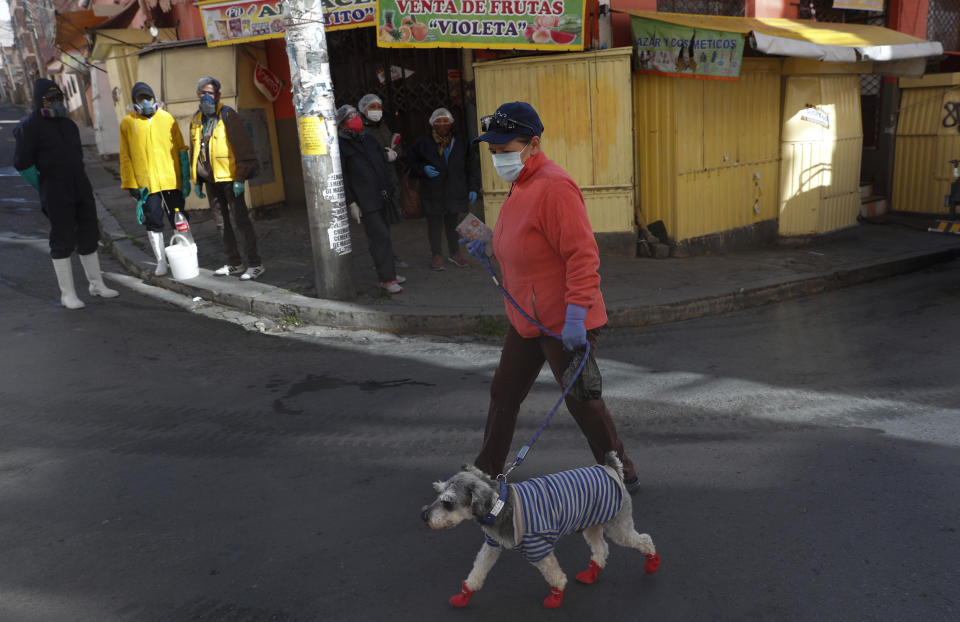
x,y
72,26
803,38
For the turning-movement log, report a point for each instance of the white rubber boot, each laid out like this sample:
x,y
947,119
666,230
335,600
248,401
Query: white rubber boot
x,y
91,267
68,295
156,243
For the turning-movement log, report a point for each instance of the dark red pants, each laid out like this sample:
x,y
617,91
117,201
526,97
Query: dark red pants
x,y
520,363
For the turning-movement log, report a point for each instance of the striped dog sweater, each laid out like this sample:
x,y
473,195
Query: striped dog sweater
x,y
550,507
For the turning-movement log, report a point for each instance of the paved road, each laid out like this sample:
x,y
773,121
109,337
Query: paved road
x,y
801,460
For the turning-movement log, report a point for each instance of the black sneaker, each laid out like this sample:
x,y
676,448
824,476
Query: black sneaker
x,y
632,485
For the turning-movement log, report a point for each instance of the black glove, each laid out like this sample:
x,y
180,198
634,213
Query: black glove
x,y
135,193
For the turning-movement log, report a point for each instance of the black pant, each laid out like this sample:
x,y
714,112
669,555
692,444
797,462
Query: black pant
x,y
227,208
377,229
445,222
158,204
520,363
69,205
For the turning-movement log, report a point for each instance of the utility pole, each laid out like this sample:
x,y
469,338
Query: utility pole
x,y
26,80
319,150
31,25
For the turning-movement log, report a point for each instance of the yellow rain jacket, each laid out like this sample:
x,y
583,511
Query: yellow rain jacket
x,y
150,151
231,153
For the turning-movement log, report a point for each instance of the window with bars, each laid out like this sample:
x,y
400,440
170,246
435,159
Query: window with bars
x,y
943,23
730,8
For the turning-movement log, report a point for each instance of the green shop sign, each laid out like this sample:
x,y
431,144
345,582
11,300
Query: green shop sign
x,y
487,24
661,47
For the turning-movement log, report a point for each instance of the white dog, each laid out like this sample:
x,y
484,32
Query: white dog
x,y
532,515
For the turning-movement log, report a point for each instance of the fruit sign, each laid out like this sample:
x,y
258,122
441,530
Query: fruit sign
x,y
227,22
487,24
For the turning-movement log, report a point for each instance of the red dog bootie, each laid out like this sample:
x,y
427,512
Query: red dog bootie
x,y
461,599
653,563
589,576
555,599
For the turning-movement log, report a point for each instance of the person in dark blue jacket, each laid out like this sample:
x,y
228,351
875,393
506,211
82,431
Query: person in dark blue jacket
x,y
369,192
449,173
49,155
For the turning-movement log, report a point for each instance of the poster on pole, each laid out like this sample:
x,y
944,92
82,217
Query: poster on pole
x,y
674,50
228,22
555,25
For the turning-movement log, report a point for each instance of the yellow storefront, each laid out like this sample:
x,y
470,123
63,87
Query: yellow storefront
x,y
928,137
585,104
776,152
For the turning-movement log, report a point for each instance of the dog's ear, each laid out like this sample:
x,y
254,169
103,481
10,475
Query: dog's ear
x,y
438,487
479,501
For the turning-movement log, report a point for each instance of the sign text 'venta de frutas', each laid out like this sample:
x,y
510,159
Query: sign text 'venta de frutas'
x,y
482,7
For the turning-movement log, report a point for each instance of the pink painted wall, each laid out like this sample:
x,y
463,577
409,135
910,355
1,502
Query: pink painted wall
x,y
771,8
190,26
909,16
620,23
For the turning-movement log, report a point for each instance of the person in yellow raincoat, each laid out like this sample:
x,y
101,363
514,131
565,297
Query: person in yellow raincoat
x,y
154,166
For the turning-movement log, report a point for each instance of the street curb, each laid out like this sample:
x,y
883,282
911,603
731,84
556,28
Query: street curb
x,y
745,299
276,303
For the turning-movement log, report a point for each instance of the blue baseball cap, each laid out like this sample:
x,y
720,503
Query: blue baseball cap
x,y
508,122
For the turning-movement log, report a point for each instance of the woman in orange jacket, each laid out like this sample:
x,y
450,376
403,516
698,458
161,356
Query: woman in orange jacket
x,y
550,261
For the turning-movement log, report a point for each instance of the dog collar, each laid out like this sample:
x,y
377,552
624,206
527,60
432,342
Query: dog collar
x,y
500,503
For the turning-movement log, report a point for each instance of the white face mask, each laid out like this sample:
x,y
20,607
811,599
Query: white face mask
x,y
509,164
375,115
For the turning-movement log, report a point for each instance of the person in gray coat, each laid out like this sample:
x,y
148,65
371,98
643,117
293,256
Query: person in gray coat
x,y
371,111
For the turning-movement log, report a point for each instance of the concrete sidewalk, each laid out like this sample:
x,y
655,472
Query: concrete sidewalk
x,y
638,291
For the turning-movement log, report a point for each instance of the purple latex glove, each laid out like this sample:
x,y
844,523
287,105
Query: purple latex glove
x,y
477,248
574,333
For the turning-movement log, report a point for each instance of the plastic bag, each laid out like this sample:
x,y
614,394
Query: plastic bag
x,y
589,384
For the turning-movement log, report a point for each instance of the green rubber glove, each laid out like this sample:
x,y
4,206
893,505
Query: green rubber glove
x,y
144,193
31,176
237,188
184,174
198,190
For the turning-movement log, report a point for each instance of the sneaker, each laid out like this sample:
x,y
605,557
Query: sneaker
x,y
400,279
633,485
252,273
437,263
391,286
228,270
458,260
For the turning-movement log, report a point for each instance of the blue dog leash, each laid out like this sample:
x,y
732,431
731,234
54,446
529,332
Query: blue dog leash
x,y
522,454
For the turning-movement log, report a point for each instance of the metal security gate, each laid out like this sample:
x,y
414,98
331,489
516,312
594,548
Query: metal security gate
x,y
412,83
729,8
943,23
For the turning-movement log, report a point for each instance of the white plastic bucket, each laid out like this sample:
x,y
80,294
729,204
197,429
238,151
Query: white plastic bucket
x,y
182,257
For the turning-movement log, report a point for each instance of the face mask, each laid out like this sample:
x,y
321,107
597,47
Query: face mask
x,y
146,107
355,124
375,115
509,164
208,105
56,109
